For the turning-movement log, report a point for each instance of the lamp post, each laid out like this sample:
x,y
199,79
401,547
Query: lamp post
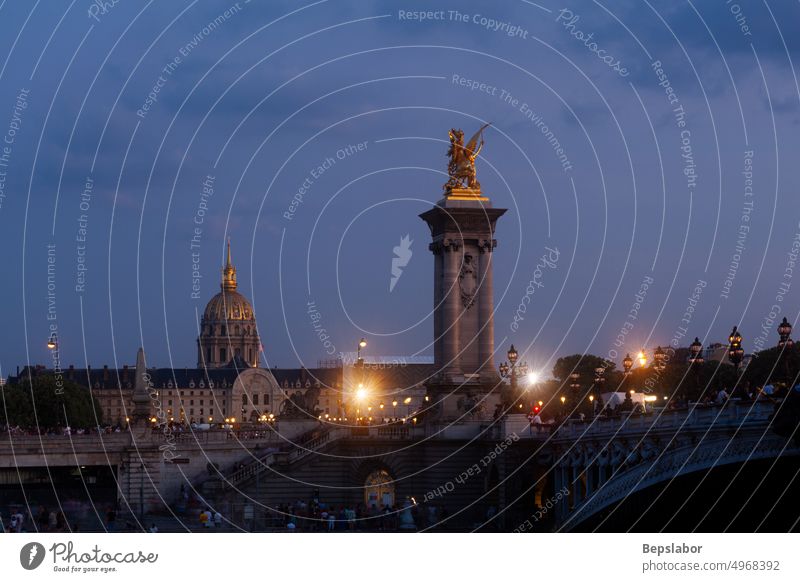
x,y
599,382
696,360
362,343
735,351
659,359
627,364
513,370
785,331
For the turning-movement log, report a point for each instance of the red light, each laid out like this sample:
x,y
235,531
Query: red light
x,y
536,409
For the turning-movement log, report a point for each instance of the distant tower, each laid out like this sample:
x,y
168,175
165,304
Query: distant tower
x,y
462,228
228,327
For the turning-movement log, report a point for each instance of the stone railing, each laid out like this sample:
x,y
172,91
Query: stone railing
x,y
732,413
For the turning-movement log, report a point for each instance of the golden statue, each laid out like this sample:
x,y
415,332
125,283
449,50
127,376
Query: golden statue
x,y
461,166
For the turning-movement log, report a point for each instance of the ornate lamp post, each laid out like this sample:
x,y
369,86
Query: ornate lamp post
x,y
627,364
735,351
362,343
785,331
696,360
659,359
512,370
599,382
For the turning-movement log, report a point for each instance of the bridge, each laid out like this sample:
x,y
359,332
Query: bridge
x,y
598,463
602,462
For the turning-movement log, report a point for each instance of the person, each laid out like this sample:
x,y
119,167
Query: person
x,y
20,520
111,518
331,521
42,519
537,422
218,519
722,396
52,521
153,528
203,518
12,526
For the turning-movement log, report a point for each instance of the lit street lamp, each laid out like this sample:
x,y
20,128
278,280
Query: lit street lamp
x,y
512,370
361,344
735,351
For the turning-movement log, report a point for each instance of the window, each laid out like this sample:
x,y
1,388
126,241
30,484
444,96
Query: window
x,y
208,355
238,352
223,354
224,330
255,399
266,399
244,399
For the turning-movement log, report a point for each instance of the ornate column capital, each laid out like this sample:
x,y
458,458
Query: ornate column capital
x,y
487,245
452,244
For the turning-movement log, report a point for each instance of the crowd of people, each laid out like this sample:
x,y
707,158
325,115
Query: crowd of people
x,y
316,516
21,520
16,430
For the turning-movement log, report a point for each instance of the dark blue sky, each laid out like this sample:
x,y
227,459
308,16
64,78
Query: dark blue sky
x,y
268,93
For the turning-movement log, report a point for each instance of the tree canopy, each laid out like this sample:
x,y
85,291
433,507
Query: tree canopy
x,y
43,403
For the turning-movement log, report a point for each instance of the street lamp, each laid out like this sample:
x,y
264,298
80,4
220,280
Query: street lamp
x,y
627,364
785,330
659,359
696,350
52,343
696,360
735,351
362,343
512,370
642,357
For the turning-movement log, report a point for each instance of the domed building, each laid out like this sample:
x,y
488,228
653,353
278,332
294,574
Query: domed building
x,y
228,332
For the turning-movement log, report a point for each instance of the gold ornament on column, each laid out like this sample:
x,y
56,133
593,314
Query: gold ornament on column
x,y
463,183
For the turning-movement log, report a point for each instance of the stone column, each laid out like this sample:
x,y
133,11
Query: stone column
x,y
452,308
576,484
485,309
438,258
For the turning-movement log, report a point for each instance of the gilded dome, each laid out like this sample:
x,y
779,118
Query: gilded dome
x,y
228,305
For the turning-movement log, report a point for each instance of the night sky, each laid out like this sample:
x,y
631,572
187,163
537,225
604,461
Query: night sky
x,y
648,152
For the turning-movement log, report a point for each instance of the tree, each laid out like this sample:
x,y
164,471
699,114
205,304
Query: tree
x,y
48,403
774,366
583,364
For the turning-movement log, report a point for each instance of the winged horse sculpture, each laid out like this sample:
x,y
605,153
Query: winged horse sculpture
x,y
461,166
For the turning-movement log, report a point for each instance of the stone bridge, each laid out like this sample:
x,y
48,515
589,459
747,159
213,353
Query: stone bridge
x,y
599,463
